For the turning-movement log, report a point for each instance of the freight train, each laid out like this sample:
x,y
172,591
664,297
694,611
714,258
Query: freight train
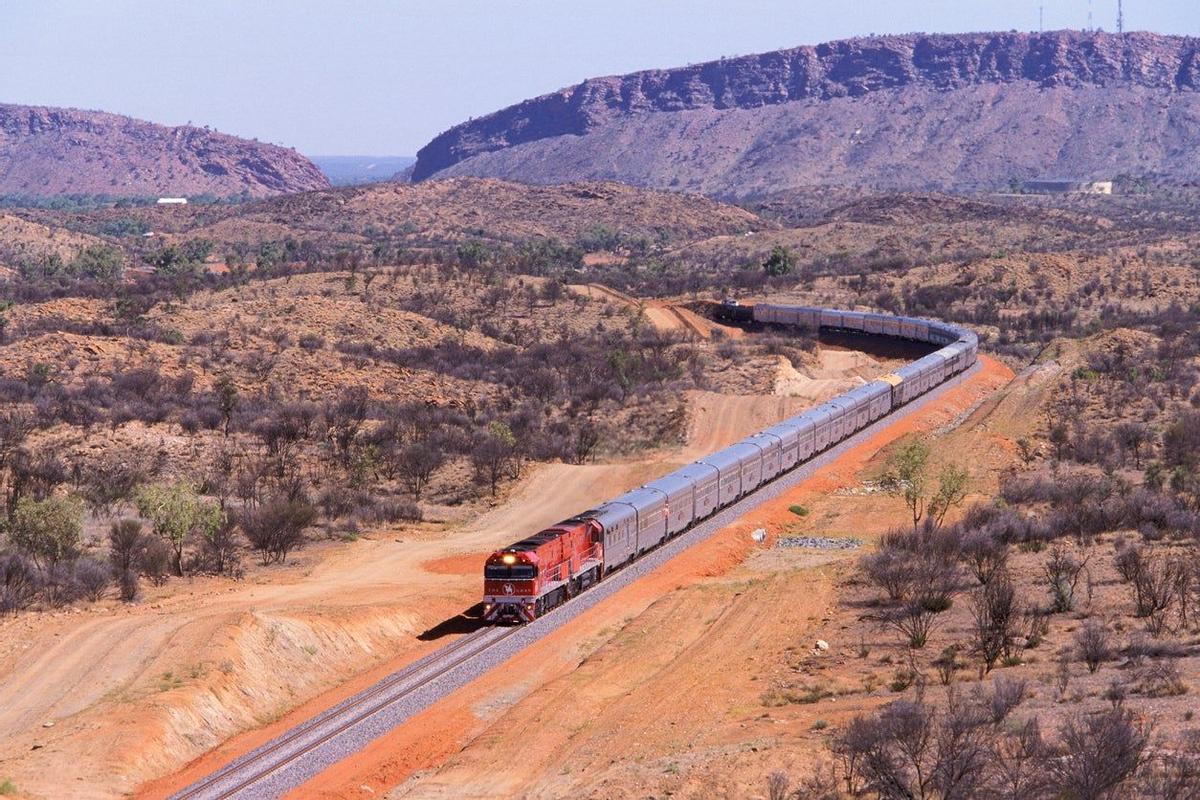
x,y
529,577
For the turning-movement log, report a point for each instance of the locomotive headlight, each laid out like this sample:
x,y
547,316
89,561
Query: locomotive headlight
x,y
509,558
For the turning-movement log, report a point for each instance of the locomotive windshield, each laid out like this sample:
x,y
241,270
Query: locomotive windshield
x,y
502,572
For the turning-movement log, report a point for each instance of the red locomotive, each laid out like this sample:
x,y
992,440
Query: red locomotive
x,y
532,576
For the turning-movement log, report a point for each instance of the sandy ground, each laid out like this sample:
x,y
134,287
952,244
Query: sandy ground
x,y
96,701
666,688
663,315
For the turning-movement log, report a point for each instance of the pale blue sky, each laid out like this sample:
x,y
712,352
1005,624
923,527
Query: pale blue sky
x,y
382,78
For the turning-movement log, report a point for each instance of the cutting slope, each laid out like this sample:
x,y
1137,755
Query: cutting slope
x,y
972,110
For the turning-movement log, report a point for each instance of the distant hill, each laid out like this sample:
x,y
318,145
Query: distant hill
x,y
441,212
53,151
355,170
909,112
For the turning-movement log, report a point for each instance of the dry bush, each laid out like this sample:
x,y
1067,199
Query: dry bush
x,y
914,621
1174,773
1003,698
1160,678
983,554
19,583
1092,643
125,544
1129,560
1098,753
997,616
1063,571
219,548
890,570
154,561
92,579
1155,592
277,527
909,749
127,585
1017,770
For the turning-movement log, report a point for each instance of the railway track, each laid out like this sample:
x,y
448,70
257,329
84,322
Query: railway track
x,y
250,775
306,750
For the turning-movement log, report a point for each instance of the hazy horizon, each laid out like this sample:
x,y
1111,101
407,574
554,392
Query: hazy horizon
x,y
375,79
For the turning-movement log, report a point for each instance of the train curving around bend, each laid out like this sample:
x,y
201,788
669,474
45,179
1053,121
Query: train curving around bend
x,y
528,578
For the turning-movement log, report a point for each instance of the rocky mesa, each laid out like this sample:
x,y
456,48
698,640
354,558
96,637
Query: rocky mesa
x,y
49,151
972,111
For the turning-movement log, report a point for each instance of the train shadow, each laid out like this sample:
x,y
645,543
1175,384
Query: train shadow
x,y
876,346
468,621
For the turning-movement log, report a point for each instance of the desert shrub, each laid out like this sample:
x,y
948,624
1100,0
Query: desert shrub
x,y
338,500
1099,753
1173,774
1129,560
59,587
910,749
112,479
219,547
125,544
1160,678
926,539
890,570
393,510
1003,698
276,527
19,583
128,585
416,464
154,560
983,554
1181,441
1142,647
1154,591
92,578
913,620
997,616
1092,644
1063,571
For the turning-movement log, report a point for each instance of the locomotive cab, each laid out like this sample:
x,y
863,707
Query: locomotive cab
x,y
510,586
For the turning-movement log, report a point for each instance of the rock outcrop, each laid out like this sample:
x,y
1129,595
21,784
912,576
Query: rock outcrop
x,y
52,151
914,111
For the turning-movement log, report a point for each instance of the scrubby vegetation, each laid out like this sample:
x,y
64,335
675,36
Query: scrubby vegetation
x,y
1089,569
504,370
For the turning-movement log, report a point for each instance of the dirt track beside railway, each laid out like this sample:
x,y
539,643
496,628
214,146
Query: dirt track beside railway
x,y
660,688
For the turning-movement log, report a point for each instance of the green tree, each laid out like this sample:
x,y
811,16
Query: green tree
x,y
48,530
473,254
101,261
952,490
780,262
908,477
177,513
5,305
196,250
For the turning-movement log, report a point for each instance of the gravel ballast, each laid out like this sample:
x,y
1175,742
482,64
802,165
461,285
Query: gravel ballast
x,y
819,542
